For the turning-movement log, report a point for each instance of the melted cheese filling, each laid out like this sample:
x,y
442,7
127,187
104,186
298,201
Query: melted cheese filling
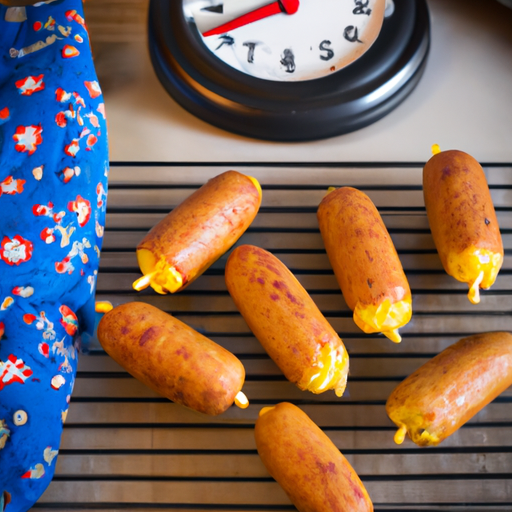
x,y
385,317
161,276
419,435
476,267
328,371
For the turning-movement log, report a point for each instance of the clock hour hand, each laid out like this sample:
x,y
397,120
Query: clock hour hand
x,y
280,6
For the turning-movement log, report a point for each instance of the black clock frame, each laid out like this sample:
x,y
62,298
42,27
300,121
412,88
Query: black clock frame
x,y
349,99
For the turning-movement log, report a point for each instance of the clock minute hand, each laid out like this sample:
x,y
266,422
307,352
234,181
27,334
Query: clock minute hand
x,y
281,6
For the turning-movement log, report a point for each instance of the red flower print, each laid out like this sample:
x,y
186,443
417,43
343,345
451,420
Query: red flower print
x,y
48,236
38,26
91,140
34,473
60,120
57,217
44,349
61,95
64,266
68,173
69,97
93,88
41,209
73,148
4,115
72,15
16,250
78,99
69,51
2,330
11,186
29,319
13,370
28,138
69,320
82,208
29,85
23,291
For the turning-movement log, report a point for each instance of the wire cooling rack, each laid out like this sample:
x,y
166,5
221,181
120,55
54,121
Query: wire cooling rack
x,y
127,449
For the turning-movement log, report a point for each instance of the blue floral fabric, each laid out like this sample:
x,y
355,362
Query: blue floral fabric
x,y
53,186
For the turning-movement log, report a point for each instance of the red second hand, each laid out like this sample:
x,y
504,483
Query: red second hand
x,y
286,6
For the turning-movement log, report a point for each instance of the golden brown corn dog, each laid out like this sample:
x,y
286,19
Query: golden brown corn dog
x,y
451,388
365,262
462,220
286,321
306,464
197,232
171,358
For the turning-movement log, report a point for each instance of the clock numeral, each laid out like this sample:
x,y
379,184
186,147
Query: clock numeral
x,y
225,40
250,52
288,60
351,34
324,46
362,7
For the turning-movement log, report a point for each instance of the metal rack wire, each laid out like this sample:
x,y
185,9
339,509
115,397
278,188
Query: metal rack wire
x,y
126,448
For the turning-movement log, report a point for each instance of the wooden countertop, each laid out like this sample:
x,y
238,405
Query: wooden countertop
x,y
462,100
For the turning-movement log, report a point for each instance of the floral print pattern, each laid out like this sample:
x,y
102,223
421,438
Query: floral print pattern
x,y
16,250
53,192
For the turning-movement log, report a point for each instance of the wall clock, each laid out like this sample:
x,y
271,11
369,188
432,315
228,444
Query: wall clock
x,y
289,70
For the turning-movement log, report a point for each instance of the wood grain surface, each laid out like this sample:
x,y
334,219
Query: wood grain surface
x,y
116,21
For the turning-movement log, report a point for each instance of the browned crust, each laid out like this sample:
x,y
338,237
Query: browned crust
x,y
360,250
171,358
278,310
478,368
205,225
459,205
307,465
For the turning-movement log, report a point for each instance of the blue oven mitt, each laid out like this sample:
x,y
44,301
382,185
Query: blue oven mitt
x,y
53,186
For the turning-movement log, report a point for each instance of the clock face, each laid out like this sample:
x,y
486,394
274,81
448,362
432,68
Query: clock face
x,y
286,40
250,68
